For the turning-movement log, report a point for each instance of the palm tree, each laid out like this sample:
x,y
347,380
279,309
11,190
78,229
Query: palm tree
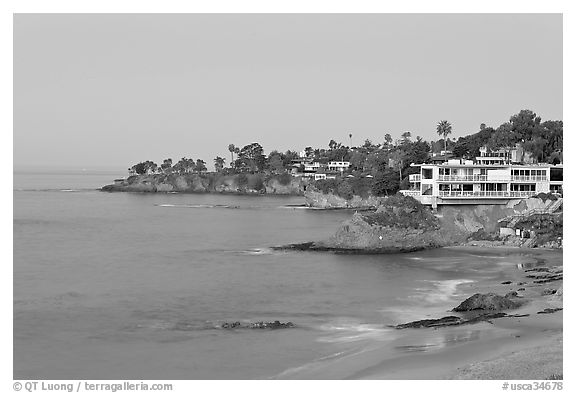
x,y
218,163
444,129
231,149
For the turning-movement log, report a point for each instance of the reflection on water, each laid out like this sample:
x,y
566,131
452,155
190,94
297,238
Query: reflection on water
x,y
434,339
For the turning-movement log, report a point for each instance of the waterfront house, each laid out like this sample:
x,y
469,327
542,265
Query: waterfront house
x,y
488,180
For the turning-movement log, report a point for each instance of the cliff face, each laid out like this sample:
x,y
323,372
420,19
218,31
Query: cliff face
x,y
200,183
402,224
471,218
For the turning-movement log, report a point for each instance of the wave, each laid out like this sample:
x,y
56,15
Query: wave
x,y
259,251
443,291
317,363
488,256
350,332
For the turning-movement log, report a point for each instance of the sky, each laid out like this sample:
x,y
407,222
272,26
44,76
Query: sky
x,y
111,90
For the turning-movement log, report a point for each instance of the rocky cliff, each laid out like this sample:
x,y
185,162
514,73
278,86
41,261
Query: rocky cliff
x,y
471,218
216,183
402,224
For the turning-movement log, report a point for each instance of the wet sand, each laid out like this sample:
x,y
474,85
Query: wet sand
x,y
513,348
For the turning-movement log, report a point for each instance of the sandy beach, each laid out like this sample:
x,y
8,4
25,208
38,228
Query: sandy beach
x,y
527,347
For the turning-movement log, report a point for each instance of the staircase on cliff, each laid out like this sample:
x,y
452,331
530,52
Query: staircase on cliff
x,y
550,209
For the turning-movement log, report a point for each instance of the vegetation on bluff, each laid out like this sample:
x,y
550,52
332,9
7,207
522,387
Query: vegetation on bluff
x,y
400,211
376,169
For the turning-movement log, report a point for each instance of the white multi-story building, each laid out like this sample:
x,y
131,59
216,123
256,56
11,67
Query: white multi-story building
x,y
466,182
338,165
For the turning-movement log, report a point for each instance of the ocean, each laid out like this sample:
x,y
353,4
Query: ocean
x,y
136,286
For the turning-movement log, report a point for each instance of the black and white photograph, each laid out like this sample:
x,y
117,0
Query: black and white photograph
x,y
287,196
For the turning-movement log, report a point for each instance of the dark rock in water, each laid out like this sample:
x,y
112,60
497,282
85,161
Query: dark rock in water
x,y
454,321
231,325
550,278
312,246
257,325
488,301
548,291
506,282
446,321
511,295
271,325
521,289
549,310
538,269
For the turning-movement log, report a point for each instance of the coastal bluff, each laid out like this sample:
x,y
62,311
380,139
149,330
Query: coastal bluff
x,y
402,224
211,183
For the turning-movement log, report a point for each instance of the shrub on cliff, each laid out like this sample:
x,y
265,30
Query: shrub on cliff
x,y
284,178
256,182
546,227
386,182
326,186
403,212
344,190
242,180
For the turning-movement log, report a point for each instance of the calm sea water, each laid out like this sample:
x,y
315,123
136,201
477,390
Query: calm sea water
x,y
132,286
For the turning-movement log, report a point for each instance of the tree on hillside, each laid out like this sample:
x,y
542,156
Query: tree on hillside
x,y
444,128
525,124
185,165
503,138
145,167
287,158
357,160
219,163
200,166
406,137
251,158
388,141
166,165
386,182
275,162
232,149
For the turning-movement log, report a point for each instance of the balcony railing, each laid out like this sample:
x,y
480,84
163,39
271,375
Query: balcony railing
x,y
411,193
486,194
462,177
415,178
529,178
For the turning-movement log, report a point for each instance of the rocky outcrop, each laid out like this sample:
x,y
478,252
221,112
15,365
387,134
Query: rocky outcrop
x,y
455,321
212,183
550,310
400,224
257,325
489,301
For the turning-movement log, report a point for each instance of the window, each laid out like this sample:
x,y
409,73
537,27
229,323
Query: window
x,y
523,187
556,174
427,173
